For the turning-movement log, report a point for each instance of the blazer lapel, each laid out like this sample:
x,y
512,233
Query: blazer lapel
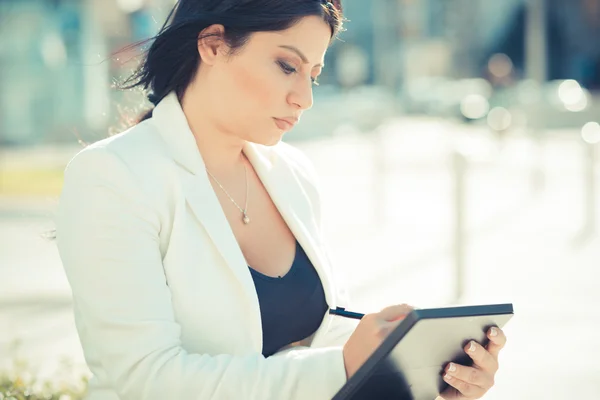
x,y
200,196
205,205
279,179
287,194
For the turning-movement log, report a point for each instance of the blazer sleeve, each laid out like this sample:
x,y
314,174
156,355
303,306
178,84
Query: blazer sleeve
x,y
108,240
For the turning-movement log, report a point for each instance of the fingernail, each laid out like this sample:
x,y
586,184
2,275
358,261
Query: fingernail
x,y
494,332
447,377
472,347
452,367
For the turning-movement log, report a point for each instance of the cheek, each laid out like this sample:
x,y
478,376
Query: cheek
x,y
259,88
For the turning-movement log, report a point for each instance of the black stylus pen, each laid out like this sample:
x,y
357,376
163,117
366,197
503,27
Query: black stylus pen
x,y
343,313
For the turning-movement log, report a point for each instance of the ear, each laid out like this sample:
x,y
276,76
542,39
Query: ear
x,y
211,44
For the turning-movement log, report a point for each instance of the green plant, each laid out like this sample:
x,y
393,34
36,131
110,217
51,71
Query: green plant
x,y
20,382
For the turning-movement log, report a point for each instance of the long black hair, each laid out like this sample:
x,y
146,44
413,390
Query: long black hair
x,y
172,60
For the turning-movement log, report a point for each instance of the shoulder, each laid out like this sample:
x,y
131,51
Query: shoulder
x,y
135,146
133,162
139,152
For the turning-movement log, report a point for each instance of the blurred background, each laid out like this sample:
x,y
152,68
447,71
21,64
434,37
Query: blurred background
x,y
457,143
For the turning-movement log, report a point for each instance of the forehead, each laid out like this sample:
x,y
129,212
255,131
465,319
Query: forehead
x,y
311,35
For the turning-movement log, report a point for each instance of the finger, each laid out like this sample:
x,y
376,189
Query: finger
x,y
450,394
464,388
471,375
389,326
481,357
395,312
497,341
380,327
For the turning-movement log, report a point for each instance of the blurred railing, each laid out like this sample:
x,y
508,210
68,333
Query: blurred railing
x,y
418,179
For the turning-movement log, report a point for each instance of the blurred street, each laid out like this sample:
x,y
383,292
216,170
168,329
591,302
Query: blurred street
x,y
391,224
457,141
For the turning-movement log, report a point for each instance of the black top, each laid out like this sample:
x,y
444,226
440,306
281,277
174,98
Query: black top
x,y
292,307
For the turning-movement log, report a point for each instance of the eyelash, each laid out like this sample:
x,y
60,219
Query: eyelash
x,y
288,70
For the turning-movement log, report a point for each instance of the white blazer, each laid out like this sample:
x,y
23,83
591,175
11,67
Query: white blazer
x,y
164,302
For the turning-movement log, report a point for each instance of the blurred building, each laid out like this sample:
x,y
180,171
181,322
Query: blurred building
x,y
456,38
40,64
57,66
573,48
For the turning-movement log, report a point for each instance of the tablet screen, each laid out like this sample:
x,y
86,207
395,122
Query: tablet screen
x,y
409,363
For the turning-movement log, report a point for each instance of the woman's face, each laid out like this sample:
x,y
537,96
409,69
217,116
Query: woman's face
x,y
260,92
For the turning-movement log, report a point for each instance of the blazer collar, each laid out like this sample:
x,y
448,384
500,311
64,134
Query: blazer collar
x,y
278,178
175,131
290,199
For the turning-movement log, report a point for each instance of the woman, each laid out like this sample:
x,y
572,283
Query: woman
x,y
192,241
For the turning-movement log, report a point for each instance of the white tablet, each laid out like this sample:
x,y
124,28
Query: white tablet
x,y
409,363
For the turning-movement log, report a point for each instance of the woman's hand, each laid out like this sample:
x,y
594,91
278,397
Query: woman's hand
x,y
474,382
368,335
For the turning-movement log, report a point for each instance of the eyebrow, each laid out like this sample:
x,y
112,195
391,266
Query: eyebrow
x,y
299,54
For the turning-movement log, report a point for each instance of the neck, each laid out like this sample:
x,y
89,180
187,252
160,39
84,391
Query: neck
x,y
221,151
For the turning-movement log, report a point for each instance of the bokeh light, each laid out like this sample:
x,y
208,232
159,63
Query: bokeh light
x,y
54,53
474,106
500,65
591,132
499,119
573,96
130,6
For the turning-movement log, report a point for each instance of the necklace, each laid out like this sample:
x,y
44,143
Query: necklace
x,y
244,210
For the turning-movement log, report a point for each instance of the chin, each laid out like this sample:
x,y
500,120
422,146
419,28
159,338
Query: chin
x,y
268,140
275,141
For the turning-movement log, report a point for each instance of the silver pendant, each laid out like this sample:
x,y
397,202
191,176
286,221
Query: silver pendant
x,y
246,219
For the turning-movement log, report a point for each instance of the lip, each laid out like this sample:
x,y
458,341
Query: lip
x,y
285,123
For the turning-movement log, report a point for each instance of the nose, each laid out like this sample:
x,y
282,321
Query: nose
x,y
301,95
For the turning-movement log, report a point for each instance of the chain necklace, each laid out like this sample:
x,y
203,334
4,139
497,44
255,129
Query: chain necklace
x,y
244,210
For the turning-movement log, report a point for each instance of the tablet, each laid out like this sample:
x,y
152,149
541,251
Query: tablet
x,y
408,365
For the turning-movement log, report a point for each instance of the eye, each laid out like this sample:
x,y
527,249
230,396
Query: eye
x,y
288,70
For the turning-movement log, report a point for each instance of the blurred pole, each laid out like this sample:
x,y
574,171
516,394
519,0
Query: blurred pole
x,y
459,169
387,71
96,74
589,224
379,179
385,51
536,70
380,167
379,40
